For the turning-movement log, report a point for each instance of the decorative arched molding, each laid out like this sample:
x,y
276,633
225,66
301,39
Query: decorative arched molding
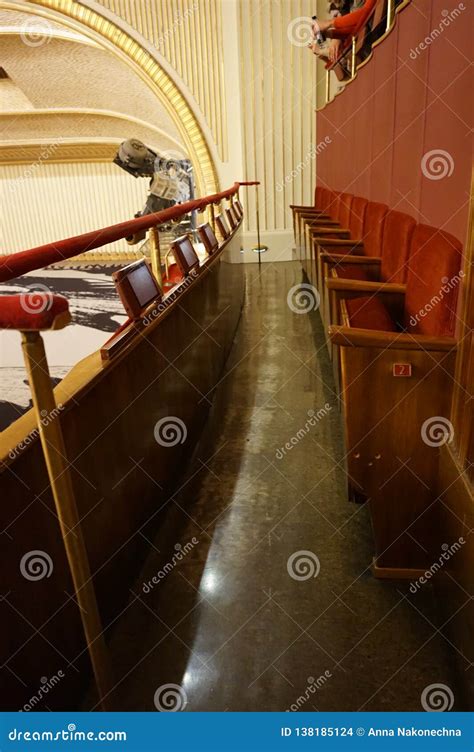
x,y
70,148
115,39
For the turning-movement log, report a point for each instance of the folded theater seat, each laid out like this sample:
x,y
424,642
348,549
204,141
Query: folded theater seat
x,y
367,245
319,212
317,227
385,262
351,214
316,230
326,221
397,352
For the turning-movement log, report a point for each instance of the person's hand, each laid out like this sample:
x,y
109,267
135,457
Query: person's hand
x,y
334,46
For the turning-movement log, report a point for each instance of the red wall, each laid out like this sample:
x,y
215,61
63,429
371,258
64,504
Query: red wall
x,y
402,105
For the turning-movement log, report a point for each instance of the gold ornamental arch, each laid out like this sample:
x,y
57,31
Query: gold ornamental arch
x,y
116,40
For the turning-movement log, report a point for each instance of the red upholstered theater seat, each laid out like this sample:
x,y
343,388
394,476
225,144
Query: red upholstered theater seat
x,y
397,238
431,291
369,313
357,216
369,236
433,282
319,197
345,210
398,230
366,225
334,207
392,258
373,228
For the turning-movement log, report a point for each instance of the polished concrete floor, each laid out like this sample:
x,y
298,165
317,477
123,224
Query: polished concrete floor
x,y
272,605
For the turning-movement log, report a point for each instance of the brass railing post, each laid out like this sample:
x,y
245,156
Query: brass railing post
x,y
390,14
66,509
353,57
212,217
258,228
328,85
155,255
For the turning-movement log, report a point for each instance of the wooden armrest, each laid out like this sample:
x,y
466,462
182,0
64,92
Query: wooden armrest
x,y
321,231
342,242
366,288
346,336
306,208
333,258
321,222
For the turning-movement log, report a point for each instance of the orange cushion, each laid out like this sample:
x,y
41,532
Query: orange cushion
x,y
369,313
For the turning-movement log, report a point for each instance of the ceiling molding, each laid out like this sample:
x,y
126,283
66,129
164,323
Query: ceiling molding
x,y
35,153
67,36
93,112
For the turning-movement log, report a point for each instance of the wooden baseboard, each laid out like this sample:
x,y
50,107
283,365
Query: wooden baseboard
x,y
395,573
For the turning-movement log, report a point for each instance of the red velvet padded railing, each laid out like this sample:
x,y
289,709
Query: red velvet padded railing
x,y
17,264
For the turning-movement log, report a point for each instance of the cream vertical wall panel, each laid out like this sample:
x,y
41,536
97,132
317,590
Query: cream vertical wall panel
x,y
62,200
188,33
278,103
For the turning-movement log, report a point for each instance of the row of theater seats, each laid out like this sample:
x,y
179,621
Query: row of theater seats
x,y
389,290
183,256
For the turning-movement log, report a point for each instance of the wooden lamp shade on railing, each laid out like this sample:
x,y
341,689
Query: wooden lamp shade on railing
x,y
31,314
